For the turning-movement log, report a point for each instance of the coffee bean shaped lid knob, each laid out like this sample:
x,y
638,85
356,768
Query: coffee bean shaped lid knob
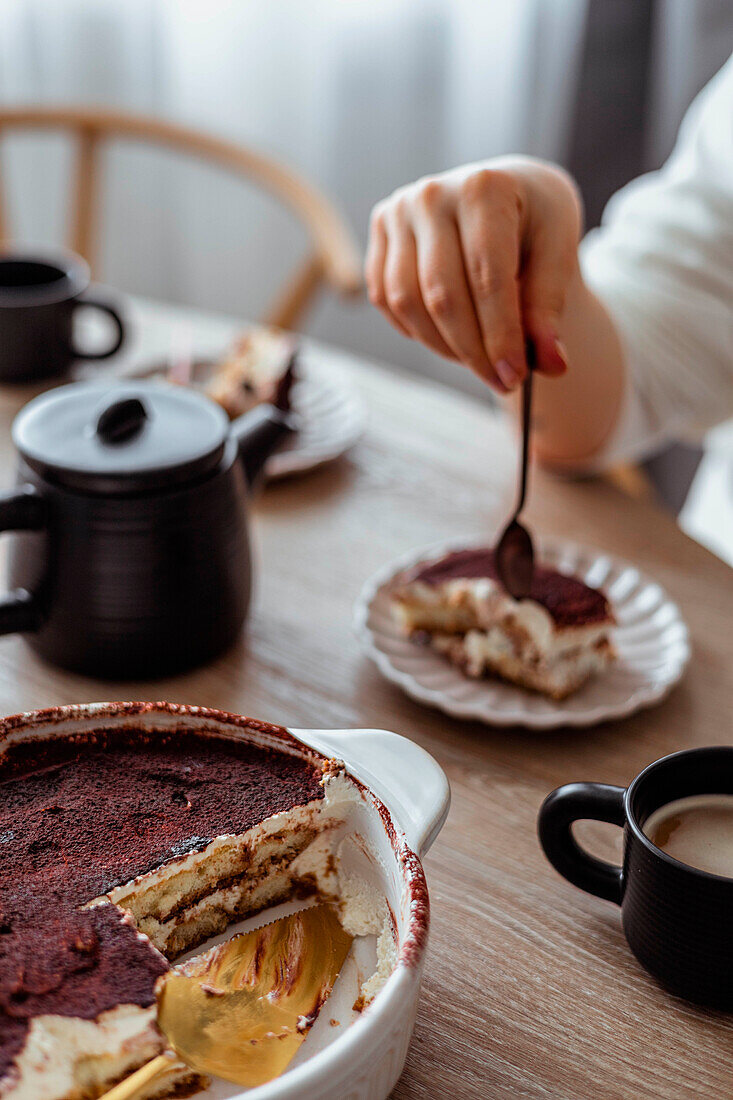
x,y
121,420
121,437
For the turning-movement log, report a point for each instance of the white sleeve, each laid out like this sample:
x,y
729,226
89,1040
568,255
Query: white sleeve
x,y
662,263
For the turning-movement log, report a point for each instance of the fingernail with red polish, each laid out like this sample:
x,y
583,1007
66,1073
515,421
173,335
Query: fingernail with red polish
x,y
507,373
561,353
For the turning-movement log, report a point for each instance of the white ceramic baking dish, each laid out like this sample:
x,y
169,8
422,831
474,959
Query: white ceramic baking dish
x,y
405,802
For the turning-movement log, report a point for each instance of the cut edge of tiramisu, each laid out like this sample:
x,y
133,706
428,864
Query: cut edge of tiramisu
x,y
552,642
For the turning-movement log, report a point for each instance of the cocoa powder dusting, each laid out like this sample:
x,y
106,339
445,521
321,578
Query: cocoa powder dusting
x,y
568,600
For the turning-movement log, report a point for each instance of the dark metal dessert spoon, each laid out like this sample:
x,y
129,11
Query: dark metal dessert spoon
x,y
514,554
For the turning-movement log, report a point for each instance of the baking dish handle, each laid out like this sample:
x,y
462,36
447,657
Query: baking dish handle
x,y
404,776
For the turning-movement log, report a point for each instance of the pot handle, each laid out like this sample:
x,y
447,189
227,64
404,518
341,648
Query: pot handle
x,y
403,775
21,510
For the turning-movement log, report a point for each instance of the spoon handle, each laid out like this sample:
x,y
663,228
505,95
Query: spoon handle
x,y
130,1088
526,425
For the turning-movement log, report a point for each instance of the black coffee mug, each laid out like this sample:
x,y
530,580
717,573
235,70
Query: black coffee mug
x,y
38,299
677,919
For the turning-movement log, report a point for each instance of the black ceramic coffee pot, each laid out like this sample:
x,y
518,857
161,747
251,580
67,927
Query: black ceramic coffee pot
x,y
135,561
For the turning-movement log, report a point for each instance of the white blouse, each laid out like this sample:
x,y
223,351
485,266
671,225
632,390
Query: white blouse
x,y
662,262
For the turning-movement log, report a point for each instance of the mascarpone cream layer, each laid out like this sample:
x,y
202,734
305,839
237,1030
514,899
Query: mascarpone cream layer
x,y
463,604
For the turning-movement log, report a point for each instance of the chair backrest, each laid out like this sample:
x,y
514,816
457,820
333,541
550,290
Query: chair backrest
x,y
334,258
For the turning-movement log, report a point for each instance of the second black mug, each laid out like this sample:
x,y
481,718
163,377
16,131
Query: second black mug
x,y
38,299
676,918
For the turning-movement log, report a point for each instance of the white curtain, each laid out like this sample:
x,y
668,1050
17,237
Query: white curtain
x,y
359,95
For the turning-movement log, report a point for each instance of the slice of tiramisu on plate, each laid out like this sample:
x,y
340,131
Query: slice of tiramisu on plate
x,y
260,368
551,642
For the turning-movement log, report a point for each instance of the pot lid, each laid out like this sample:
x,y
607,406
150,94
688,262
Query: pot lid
x,y
121,437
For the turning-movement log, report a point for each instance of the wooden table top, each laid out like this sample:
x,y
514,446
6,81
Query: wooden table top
x,y
529,988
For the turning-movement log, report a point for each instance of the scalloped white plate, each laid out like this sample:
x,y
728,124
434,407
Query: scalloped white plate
x,y
651,639
331,419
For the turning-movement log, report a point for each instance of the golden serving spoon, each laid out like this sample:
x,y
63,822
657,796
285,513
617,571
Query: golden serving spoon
x,y
241,1010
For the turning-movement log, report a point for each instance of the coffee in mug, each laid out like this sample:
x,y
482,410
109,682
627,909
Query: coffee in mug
x,y
697,830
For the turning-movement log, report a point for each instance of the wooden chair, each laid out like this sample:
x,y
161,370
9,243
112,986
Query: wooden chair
x,y
334,257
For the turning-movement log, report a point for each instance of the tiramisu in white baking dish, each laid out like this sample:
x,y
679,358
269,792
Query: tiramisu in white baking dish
x,y
132,832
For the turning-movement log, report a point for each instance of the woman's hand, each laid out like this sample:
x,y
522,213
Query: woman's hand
x,y
474,260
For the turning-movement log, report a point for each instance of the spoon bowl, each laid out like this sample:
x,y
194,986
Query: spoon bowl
x,y
242,1010
514,556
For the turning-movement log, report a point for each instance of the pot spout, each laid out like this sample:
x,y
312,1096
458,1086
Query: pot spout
x,y
257,434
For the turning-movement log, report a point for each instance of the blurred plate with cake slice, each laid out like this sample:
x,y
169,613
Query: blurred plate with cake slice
x,y
265,365
595,640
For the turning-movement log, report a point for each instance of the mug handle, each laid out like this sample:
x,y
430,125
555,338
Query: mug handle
x,y
582,802
105,307
21,510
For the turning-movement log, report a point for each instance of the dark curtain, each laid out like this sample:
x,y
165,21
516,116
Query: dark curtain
x,y
608,143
